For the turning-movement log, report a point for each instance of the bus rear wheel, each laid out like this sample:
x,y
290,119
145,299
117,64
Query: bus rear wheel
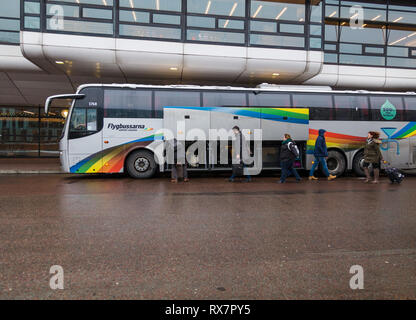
x,y
336,163
141,164
357,164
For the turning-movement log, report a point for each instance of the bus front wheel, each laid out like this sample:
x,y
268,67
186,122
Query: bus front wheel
x,y
336,163
141,164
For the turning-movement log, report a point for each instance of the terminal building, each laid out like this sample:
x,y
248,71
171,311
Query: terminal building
x,y
49,47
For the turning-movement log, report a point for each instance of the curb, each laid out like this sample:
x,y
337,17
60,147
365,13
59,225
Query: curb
x,y
30,171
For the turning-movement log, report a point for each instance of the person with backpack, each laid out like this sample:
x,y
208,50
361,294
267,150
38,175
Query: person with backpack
x,y
373,156
239,155
289,152
320,153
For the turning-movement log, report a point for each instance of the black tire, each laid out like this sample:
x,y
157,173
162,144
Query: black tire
x,y
336,163
357,164
141,164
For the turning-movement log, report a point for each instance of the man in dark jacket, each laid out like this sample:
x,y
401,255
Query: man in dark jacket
x,y
320,153
287,157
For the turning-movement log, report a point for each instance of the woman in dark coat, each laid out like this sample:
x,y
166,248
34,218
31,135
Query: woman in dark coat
x,y
287,159
372,155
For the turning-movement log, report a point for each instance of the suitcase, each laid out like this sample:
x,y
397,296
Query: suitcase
x,y
394,175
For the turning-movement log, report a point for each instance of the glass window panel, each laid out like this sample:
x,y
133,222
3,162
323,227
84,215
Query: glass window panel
x,y
134,16
375,50
232,8
96,2
230,24
91,119
397,51
315,43
215,36
315,30
402,17
399,5
291,28
331,33
316,11
263,26
127,103
366,35
381,4
203,22
32,7
331,11
278,10
320,105
167,19
350,48
9,24
402,62
351,107
9,37
402,38
150,32
78,120
224,99
83,26
410,103
69,11
263,99
331,47
281,41
97,13
32,22
380,101
361,60
10,9
369,14
175,99
165,5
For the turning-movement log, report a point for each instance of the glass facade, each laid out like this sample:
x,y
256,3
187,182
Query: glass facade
x,y
370,33
26,131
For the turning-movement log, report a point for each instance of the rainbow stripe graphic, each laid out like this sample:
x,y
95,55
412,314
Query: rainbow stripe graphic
x,y
406,132
111,160
288,115
335,140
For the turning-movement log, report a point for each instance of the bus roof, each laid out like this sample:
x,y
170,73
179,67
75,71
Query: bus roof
x,y
261,88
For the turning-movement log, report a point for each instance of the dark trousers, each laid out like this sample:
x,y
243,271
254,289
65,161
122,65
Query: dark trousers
x,y
287,170
175,171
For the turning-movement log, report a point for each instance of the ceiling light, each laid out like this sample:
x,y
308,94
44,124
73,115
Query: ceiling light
x,y
332,14
59,62
233,8
64,113
173,68
375,18
257,11
281,13
157,5
208,6
398,19
275,74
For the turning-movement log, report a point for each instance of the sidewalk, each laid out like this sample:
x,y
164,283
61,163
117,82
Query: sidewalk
x,y
29,165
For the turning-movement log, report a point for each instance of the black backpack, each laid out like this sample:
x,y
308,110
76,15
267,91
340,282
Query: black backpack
x,y
294,149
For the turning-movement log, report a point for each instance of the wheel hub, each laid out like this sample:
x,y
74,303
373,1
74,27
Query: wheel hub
x,y
141,164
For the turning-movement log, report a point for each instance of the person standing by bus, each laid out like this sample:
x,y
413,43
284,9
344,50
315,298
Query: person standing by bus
x,y
240,154
373,156
287,158
179,161
320,153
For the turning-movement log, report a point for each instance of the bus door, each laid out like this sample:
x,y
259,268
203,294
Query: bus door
x,y
275,122
191,123
224,119
85,133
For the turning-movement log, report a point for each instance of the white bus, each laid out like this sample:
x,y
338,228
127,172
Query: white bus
x,y
114,128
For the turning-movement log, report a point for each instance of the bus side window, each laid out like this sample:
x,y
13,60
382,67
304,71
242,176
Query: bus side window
x,y
388,108
78,120
83,122
410,103
320,105
351,107
92,120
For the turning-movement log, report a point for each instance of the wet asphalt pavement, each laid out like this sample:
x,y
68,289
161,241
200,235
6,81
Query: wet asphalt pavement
x,y
119,238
